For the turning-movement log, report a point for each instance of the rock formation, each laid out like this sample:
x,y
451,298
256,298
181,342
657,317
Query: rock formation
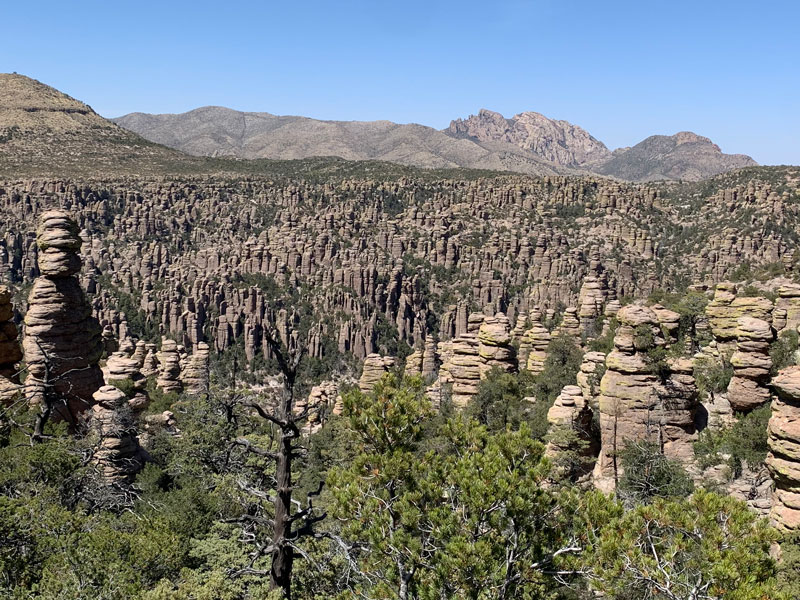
x,y
10,352
570,420
588,378
534,343
375,367
783,460
494,345
637,403
169,371
62,340
118,454
195,375
751,365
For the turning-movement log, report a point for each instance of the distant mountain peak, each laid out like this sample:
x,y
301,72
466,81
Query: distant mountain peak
x,y
558,142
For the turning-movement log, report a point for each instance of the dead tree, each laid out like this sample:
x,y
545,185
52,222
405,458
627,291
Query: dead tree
x,y
291,520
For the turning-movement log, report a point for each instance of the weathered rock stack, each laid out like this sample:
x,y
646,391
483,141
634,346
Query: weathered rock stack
x,y
62,340
118,454
590,304
725,309
121,369
375,366
636,403
751,365
195,374
783,460
169,372
10,352
494,345
570,420
414,363
150,361
533,347
591,372
788,304
461,368
323,401
570,325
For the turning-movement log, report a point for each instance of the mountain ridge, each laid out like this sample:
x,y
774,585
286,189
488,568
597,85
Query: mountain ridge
x,y
528,142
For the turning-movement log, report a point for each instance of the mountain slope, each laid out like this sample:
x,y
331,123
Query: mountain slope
x,y
217,131
45,131
684,155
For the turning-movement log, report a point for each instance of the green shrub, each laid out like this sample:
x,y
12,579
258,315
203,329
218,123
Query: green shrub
x,y
712,377
648,474
782,350
743,443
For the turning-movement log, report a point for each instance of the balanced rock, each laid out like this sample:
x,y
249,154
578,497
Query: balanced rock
x,y
494,345
751,364
725,309
62,342
169,372
118,455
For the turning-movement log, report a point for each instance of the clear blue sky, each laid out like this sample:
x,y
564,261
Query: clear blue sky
x,y
622,70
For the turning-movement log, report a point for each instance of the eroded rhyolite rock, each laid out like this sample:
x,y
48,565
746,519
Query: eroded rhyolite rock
x,y
638,402
62,340
533,346
788,303
461,368
322,401
570,420
414,363
10,352
169,372
118,454
591,299
196,371
589,376
375,366
494,345
783,460
725,309
751,364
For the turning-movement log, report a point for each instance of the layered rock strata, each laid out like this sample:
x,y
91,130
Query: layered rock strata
x,y
62,340
751,365
783,460
118,454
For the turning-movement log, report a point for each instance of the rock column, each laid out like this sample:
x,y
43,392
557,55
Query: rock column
x,y
62,342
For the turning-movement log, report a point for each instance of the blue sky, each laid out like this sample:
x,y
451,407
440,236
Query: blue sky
x,y
622,70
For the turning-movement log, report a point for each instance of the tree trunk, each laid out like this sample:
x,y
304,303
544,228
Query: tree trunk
x,y
283,555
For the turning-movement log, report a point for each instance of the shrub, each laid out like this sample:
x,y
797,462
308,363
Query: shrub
x,y
648,474
712,377
782,350
743,443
